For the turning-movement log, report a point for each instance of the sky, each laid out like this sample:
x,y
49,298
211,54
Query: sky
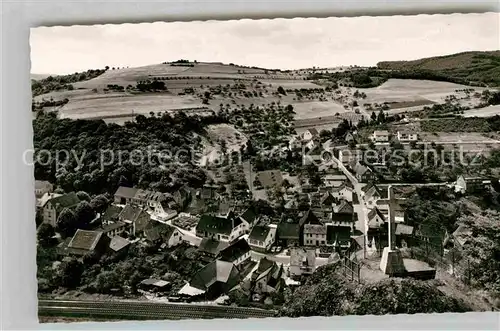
x,y
279,43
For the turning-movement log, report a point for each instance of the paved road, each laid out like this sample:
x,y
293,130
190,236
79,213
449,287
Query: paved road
x,y
361,209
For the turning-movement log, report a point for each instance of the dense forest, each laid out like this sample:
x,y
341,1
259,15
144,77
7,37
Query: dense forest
x,y
62,144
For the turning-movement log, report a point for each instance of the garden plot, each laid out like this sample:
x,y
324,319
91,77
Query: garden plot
x,y
124,105
212,150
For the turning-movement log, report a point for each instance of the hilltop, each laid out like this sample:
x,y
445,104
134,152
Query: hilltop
x,y
482,67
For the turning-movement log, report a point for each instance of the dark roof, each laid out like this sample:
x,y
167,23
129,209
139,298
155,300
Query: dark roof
x,y
313,131
250,215
112,226
327,199
111,213
340,234
342,217
126,192
345,208
288,230
131,213
234,251
84,239
264,264
159,231
270,178
216,272
259,232
211,246
117,243
309,218
223,225
67,200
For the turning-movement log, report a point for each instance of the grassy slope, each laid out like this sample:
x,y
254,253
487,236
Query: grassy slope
x,y
472,66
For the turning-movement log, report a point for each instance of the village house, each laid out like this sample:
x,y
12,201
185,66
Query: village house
x,y
262,237
345,191
114,229
135,216
43,200
219,228
111,215
268,277
42,187
470,184
288,233
372,194
363,174
85,242
314,235
156,202
334,178
348,156
349,137
55,205
302,261
338,236
407,136
376,224
380,136
118,244
213,280
210,248
125,195
163,233
313,144
310,134
236,253
250,217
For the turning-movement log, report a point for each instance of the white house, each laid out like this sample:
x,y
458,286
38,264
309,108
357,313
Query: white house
x,y
262,237
302,261
405,136
314,235
342,192
380,136
310,134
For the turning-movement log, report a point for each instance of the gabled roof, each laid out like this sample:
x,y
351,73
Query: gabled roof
x,y
309,218
360,169
235,251
315,229
216,271
67,200
249,215
159,231
327,199
313,131
342,217
126,192
132,213
112,226
225,225
259,232
373,222
111,214
84,239
211,246
288,230
338,234
381,132
299,255
118,243
345,208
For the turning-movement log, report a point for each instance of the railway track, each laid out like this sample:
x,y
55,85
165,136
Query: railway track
x,y
145,310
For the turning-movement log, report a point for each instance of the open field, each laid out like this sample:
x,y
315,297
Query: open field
x,y
126,104
452,137
483,112
316,109
410,90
